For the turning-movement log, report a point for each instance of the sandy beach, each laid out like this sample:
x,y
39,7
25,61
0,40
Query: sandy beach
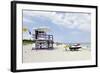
x,y
57,54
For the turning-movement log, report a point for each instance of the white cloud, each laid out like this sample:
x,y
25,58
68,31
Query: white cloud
x,y
81,21
73,20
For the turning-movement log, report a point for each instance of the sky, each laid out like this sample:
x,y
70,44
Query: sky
x,y
66,27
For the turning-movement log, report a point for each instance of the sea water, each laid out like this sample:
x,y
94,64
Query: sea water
x,y
86,45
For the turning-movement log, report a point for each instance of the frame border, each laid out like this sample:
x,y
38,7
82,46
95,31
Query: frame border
x,y
13,35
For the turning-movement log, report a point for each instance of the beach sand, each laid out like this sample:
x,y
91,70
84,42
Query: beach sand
x,y
57,54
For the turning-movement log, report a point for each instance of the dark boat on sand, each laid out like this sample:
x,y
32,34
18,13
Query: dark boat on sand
x,y
75,47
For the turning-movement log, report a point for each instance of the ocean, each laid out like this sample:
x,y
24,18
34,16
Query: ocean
x,y
86,45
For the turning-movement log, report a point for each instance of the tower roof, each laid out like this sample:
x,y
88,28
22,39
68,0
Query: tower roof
x,y
45,29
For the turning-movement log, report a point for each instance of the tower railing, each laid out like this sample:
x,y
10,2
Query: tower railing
x,y
43,37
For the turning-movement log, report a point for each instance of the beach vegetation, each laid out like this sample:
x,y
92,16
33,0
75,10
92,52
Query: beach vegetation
x,y
26,42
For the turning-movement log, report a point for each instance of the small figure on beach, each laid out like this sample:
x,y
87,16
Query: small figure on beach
x,y
66,47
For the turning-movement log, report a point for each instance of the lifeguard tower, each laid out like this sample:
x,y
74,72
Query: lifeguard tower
x,y
42,39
